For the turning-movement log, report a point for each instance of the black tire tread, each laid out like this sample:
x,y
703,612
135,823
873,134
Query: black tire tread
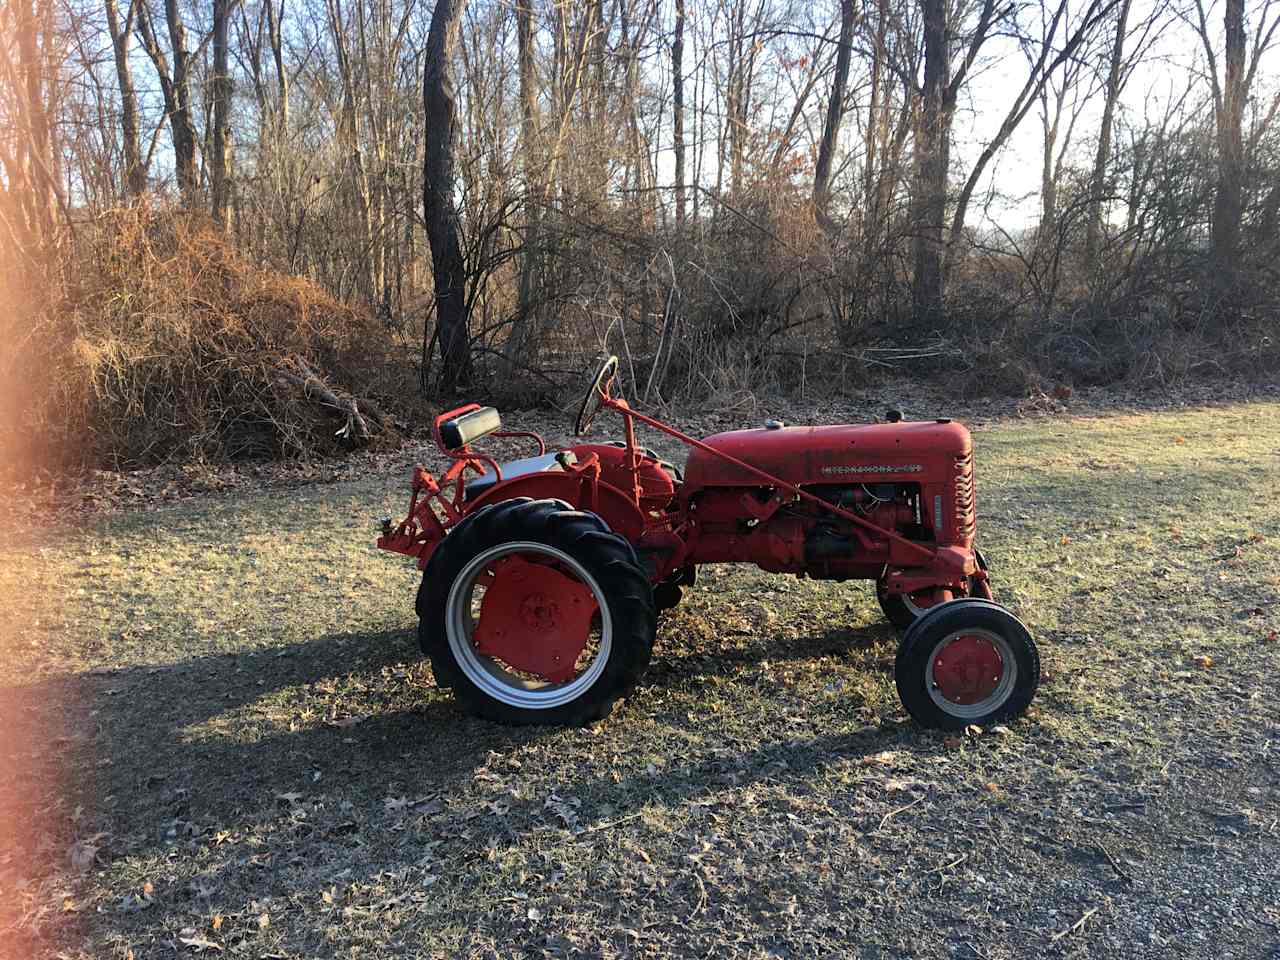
x,y
610,559
931,627
894,608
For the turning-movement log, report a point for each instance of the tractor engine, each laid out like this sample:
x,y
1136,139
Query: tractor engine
x,y
801,537
830,543
911,479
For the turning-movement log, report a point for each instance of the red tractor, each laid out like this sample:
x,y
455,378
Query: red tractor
x,y
543,577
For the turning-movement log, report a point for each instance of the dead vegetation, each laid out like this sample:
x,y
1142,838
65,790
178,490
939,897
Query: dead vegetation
x,y
147,336
153,339
740,198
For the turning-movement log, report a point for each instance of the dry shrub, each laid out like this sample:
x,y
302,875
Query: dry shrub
x,y
21,289
157,340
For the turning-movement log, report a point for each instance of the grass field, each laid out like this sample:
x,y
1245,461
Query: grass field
x,y
220,738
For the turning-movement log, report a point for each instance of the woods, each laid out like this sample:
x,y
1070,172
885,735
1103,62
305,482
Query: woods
x,y
736,195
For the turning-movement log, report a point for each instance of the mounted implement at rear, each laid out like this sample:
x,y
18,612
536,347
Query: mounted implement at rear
x,y
542,577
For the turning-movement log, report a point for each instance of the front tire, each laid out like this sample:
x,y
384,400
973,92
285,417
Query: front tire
x,y
965,662
561,582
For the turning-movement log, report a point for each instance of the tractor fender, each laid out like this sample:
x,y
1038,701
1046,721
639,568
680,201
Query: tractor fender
x,y
612,505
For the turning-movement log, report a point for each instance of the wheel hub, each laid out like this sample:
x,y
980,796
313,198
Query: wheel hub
x,y
535,619
539,612
967,669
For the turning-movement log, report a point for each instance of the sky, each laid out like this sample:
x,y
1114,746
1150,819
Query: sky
x,y
1174,59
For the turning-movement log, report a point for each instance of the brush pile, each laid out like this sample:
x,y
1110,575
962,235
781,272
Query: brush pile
x,y
155,341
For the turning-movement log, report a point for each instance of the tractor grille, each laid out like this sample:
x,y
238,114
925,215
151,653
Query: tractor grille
x,y
966,521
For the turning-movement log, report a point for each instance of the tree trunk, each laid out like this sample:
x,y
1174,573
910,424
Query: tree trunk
x,y
528,89
885,141
30,167
874,126
42,109
182,125
532,166
439,100
637,153
1097,182
741,52
274,19
1228,205
835,110
1048,174
135,174
933,148
677,110
222,90
175,87
598,118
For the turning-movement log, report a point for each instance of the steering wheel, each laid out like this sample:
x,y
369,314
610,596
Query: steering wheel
x,y
596,394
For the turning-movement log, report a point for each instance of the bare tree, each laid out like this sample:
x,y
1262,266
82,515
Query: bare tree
x,y
31,191
222,91
121,33
835,110
1111,97
742,55
558,167
938,96
1050,57
933,154
532,163
175,87
1062,99
677,111
1229,100
275,17
890,116
439,181
1231,85
350,132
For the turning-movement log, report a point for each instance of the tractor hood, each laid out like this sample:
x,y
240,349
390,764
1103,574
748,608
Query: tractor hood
x,y
908,450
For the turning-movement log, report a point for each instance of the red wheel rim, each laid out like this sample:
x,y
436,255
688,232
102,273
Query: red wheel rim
x,y
967,669
535,619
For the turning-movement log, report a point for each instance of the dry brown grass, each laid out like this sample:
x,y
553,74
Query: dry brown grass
x,y
149,338
242,754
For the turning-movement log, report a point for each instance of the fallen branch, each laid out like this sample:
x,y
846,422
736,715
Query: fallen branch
x,y
897,810
314,388
947,866
1075,926
1114,865
702,898
1139,805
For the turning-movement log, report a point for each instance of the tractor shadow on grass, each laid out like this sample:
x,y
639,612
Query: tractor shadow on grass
x,y
204,740
200,743
168,759
675,659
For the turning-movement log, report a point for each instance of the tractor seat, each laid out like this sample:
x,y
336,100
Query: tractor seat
x,y
546,463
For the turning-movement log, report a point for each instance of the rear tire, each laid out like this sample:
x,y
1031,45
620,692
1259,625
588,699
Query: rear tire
x,y
602,561
966,661
899,609
902,610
